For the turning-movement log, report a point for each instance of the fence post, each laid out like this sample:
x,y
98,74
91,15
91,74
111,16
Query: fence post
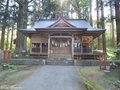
x,y
102,60
6,58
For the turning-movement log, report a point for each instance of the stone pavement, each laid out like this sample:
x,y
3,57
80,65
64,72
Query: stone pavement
x,y
52,78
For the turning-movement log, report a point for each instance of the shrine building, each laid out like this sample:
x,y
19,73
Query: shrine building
x,y
62,38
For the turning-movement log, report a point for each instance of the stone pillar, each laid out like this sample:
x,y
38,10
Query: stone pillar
x,y
48,46
72,46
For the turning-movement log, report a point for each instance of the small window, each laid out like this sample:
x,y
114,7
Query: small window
x,y
35,47
44,47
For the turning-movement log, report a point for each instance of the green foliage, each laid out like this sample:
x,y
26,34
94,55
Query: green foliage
x,y
109,80
17,56
50,7
6,45
110,53
89,82
8,67
81,8
110,50
0,62
13,55
12,67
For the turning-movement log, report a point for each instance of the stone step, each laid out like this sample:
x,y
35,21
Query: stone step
x,y
60,62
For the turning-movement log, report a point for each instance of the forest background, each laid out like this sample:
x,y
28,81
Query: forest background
x,y
16,14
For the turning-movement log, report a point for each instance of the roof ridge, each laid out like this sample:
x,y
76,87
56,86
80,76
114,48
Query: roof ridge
x,y
57,19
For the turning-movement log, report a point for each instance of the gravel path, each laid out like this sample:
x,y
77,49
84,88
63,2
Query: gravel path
x,y
52,78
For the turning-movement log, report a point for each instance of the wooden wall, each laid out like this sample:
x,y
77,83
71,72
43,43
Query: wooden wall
x,y
63,50
42,38
38,38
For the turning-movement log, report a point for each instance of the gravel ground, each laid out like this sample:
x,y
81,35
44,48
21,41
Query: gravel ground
x,y
53,78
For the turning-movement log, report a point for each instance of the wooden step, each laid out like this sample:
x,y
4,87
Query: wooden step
x,y
60,55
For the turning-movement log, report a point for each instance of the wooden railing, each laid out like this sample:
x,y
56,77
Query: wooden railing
x,y
86,56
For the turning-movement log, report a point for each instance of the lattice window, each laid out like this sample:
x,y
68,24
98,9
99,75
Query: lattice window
x,y
44,47
87,49
35,47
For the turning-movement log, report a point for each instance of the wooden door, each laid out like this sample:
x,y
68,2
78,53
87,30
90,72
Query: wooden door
x,y
61,46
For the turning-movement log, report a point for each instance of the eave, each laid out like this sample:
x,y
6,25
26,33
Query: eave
x,y
28,33
95,34
61,29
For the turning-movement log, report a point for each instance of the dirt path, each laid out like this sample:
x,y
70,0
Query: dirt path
x,y
52,78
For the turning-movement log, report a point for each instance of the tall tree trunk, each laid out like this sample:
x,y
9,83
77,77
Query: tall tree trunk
x,y
21,23
78,9
117,11
7,40
20,42
33,19
79,14
83,12
91,20
112,27
11,41
99,41
4,25
103,26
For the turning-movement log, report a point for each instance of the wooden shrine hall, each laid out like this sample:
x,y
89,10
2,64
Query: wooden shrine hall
x,y
62,38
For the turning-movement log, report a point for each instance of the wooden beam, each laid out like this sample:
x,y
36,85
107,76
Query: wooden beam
x,y
72,46
48,46
60,36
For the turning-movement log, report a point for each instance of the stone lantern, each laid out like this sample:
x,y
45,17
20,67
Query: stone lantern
x,y
117,51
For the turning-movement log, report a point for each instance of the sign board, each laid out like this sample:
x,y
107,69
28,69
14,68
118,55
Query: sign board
x,y
87,39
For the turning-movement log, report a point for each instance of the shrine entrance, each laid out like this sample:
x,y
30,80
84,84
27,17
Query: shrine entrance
x,y
60,48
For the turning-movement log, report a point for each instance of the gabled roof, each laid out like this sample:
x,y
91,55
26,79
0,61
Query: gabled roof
x,y
63,24
70,23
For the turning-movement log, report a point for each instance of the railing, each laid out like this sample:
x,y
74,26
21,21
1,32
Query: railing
x,y
35,49
85,56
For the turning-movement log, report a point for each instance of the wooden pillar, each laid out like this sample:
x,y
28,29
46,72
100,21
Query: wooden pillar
x,y
48,46
72,46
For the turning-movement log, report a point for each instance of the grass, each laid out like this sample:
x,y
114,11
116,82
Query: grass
x,y
12,76
86,74
109,80
110,53
96,79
